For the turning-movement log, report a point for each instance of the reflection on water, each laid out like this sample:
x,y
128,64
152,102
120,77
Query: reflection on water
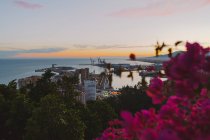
x,y
119,82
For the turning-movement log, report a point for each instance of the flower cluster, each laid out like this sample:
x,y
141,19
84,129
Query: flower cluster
x,y
155,90
185,115
188,70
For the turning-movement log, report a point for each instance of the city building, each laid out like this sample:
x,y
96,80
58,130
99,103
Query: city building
x,y
90,90
67,73
83,74
59,77
28,80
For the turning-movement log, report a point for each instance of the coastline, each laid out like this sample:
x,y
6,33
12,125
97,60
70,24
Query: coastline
x,y
152,60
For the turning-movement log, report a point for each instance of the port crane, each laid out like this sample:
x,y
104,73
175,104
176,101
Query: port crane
x,y
92,61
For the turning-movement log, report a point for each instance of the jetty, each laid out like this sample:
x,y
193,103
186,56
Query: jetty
x,y
55,69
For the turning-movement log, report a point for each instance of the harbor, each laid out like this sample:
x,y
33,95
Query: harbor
x,y
150,70
104,82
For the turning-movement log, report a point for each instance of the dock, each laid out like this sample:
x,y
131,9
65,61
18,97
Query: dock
x,y
58,69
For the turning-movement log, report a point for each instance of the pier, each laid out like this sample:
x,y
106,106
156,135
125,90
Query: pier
x,y
56,69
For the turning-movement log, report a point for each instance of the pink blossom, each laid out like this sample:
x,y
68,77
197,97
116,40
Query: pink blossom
x,y
155,90
168,134
204,92
186,113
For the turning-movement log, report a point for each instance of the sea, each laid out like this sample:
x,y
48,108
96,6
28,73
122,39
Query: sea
x,y
11,69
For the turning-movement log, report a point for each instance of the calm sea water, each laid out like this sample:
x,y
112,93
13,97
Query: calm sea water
x,y
11,69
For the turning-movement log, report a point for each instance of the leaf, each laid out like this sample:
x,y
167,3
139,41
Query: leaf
x,y
158,44
130,75
178,42
162,46
170,52
157,52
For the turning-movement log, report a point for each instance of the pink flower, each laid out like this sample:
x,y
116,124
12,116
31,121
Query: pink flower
x,y
185,115
174,100
155,90
149,134
168,134
186,69
204,92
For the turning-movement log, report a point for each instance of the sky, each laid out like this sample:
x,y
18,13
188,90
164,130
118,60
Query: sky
x,y
91,28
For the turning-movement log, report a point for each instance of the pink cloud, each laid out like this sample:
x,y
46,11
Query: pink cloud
x,y
27,5
162,8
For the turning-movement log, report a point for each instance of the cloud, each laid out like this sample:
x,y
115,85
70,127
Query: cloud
x,y
162,8
104,47
47,50
10,53
27,5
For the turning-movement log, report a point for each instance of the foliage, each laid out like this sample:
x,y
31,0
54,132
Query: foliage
x,y
49,110
184,115
95,115
92,122
53,121
103,110
20,111
43,87
15,109
47,104
131,99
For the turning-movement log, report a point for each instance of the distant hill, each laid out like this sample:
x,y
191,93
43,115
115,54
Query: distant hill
x,y
166,55
160,58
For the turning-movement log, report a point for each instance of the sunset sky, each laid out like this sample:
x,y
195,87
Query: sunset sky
x,y
91,28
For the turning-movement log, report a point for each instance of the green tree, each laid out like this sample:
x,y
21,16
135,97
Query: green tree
x,y
93,124
43,87
9,91
67,87
4,113
131,99
54,121
7,94
19,112
103,111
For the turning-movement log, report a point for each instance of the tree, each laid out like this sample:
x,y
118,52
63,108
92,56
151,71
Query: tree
x,y
19,112
43,87
93,124
103,110
10,91
54,121
7,94
4,113
132,99
66,87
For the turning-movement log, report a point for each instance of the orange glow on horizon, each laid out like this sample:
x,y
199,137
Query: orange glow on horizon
x,y
83,54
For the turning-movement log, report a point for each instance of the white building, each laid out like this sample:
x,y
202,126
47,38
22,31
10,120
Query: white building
x,y
90,90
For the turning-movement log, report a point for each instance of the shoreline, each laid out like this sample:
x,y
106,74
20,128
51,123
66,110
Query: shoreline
x,y
152,60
